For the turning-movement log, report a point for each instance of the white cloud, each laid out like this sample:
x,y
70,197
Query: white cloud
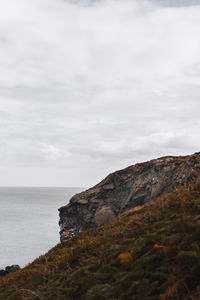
x,y
96,85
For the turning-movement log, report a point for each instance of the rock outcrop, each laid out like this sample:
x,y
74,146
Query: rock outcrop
x,y
126,189
9,269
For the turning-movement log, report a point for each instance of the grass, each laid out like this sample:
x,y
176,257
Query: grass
x,y
150,252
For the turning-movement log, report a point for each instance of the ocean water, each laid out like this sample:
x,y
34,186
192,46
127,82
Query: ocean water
x,y
29,222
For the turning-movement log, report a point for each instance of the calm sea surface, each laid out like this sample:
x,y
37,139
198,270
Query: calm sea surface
x,y
29,222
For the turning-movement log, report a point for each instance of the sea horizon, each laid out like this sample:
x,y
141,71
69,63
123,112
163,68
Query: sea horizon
x,y
29,221
40,186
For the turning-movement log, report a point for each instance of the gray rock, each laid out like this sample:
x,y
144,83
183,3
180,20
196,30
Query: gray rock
x,y
9,269
104,215
126,189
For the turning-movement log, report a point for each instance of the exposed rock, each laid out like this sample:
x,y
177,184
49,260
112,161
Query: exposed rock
x,y
82,201
9,269
104,215
109,186
126,189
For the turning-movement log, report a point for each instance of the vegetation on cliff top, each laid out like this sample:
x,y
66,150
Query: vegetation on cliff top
x,y
149,252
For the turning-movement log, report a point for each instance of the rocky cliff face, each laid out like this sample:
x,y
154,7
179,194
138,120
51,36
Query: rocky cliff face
x,y
125,189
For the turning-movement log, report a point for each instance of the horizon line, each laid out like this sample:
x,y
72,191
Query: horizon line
x,y
39,186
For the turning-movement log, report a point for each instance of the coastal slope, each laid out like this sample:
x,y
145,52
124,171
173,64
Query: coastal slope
x,y
150,252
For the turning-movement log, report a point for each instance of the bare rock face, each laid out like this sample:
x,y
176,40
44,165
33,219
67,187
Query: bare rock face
x,y
104,215
126,189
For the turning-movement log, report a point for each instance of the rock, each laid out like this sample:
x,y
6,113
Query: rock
x,y
125,189
109,187
82,201
12,268
104,215
9,269
2,273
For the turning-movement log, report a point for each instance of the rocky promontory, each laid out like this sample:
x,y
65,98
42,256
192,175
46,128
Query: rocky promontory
x,y
150,252
126,189
9,269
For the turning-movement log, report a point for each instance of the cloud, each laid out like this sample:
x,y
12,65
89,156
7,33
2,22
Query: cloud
x,y
97,85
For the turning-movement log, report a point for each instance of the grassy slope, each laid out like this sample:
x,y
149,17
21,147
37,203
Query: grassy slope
x,y
150,252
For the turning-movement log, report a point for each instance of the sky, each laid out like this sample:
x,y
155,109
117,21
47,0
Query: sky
x,y
90,87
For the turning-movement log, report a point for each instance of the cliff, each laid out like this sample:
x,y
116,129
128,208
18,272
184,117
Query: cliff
x,y
151,252
126,189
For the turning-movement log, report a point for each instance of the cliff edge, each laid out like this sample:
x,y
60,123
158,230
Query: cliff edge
x,y
126,189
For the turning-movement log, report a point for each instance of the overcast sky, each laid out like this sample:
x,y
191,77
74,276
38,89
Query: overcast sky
x,y
89,87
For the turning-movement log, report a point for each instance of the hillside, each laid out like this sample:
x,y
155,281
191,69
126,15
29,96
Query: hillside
x,y
125,189
149,252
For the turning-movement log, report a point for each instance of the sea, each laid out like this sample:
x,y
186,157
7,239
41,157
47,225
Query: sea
x,y
29,221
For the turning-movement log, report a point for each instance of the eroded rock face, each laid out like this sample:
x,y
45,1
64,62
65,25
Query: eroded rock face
x,y
125,189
